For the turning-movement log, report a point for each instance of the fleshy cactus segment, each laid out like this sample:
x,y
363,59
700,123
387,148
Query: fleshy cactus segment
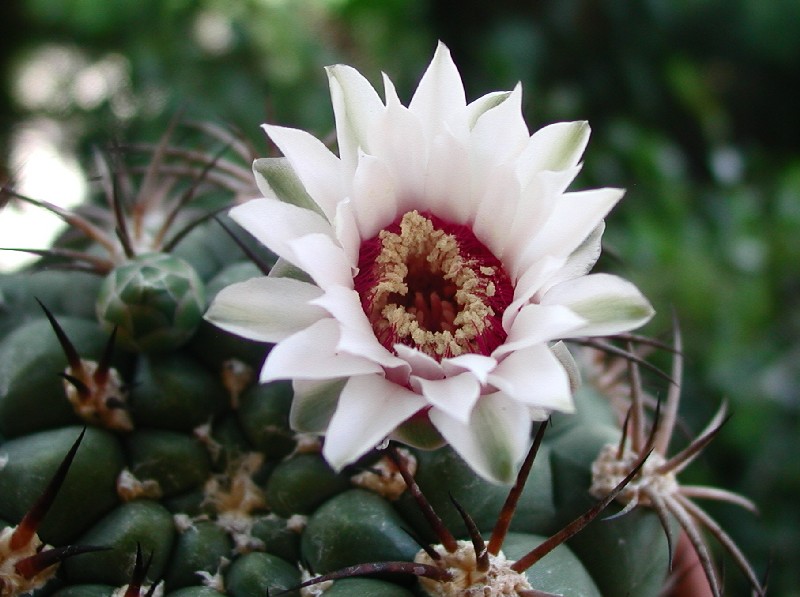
x,y
433,286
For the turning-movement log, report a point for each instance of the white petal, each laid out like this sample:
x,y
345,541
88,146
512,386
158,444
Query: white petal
x,y
535,377
558,146
266,309
314,403
374,196
528,285
356,107
312,354
496,438
322,259
580,262
275,224
276,179
356,335
500,134
284,269
400,142
609,304
448,178
477,108
347,232
479,365
564,356
421,364
539,323
574,217
496,207
369,409
453,395
440,95
317,168
537,202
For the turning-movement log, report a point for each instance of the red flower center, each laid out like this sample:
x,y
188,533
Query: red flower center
x,y
433,286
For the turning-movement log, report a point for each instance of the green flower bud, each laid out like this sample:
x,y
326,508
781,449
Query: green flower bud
x,y
156,300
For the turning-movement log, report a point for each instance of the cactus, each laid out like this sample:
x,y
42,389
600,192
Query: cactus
x,y
192,480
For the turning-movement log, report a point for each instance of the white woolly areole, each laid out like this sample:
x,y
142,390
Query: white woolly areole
x,y
316,590
608,471
498,581
384,478
122,591
12,583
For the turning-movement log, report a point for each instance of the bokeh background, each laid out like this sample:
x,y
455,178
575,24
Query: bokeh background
x,y
694,106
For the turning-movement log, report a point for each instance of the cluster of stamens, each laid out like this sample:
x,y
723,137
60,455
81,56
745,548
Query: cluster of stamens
x,y
433,286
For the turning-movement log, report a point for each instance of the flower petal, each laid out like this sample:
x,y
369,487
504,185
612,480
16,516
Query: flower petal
x,y
266,309
538,200
440,95
494,208
529,284
400,142
421,364
564,356
574,217
582,259
453,395
356,107
314,403
500,134
539,323
317,168
284,269
448,180
494,441
477,108
374,195
369,409
276,179
356,335
322,259
609,304
312,354
275,224
534,377
418,432
479,365
558,146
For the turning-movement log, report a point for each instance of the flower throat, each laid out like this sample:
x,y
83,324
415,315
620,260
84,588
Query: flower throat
x,y
433,286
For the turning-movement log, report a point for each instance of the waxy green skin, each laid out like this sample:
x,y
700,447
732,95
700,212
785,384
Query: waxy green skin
x,y
177,387
155,300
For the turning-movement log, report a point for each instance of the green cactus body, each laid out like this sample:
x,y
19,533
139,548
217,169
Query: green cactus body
x,y
31,360
214,484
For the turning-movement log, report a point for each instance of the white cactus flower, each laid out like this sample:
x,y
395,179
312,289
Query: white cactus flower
x,y
428,271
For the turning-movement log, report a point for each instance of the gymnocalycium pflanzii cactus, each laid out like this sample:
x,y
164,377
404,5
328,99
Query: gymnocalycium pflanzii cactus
x,y
425,278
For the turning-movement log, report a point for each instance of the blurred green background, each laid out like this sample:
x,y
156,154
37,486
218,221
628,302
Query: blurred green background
x,y
694,107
